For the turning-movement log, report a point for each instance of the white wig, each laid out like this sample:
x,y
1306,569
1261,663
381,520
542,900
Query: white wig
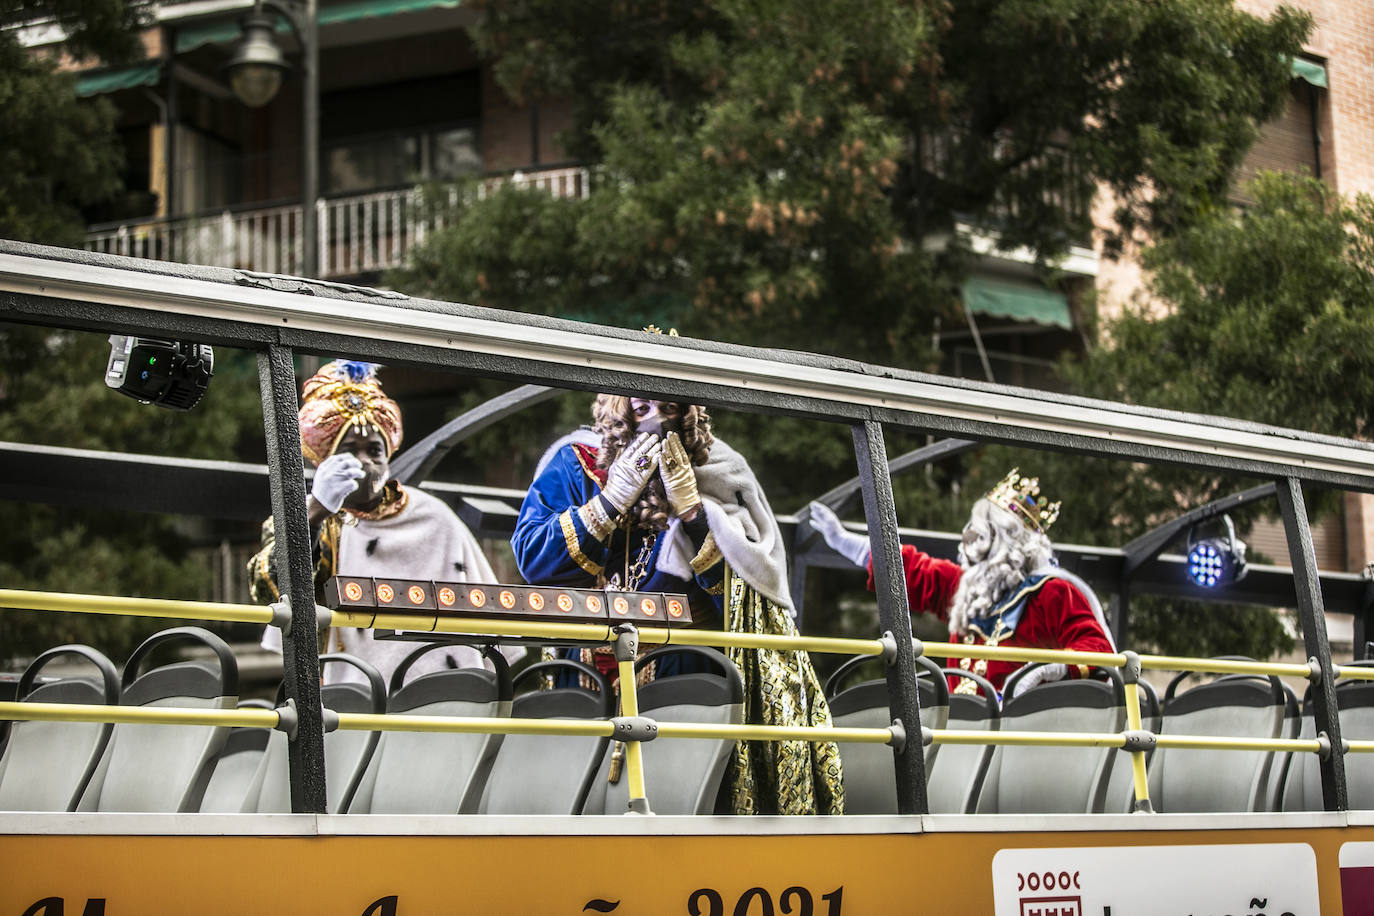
x,y
997,553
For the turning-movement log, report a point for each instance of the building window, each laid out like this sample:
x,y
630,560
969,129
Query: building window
x,y
355,165
1292,142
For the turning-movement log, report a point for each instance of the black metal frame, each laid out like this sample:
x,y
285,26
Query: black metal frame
x,y
62,288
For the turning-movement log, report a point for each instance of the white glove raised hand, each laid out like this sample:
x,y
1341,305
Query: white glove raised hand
x,y
853,547
679,479
628,474
335,478
1041,675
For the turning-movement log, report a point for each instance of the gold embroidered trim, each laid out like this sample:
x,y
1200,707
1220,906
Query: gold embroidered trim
x,y
575,549
594,516
718,588
708,556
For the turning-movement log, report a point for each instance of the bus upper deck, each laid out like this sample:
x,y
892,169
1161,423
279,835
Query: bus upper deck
x,y
1001,862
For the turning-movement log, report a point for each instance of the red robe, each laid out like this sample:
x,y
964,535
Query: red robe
x,y
1058,616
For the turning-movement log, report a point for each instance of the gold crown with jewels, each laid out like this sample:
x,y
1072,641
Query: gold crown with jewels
x,y
1021,497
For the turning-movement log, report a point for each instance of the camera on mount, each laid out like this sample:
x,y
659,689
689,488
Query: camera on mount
x,y
165,373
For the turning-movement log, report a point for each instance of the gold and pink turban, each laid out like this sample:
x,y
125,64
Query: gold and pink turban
x,y
345,394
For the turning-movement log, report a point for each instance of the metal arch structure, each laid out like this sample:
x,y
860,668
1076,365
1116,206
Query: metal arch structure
x,y
280,317
416,463
838,498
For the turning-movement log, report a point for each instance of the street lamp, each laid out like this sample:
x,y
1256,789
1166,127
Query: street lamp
x,y
255,72
257,67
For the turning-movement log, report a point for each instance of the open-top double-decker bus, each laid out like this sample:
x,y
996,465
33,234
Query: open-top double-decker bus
x,y
1303,842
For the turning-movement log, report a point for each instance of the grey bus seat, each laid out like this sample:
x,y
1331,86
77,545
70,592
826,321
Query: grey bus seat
x,y
956,778
1302,785
1055,780
1198,780
1355,699
1355,705
165,767
46,766
435,772
549,774
235,783
347,752
681,775
1271,792
870,785
1121,783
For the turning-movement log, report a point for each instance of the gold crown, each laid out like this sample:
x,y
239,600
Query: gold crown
x,y
1021,497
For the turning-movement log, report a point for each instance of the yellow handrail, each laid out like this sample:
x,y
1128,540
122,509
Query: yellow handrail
x,y
1222,666
250,613
1139,776
150,715
268,718
1003,653
634,750
133,607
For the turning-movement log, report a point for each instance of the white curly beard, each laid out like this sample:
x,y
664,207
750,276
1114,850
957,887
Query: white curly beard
x,y
1003,554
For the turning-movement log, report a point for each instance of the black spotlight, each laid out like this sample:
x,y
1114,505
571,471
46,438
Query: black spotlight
x,y
167,373
1216,561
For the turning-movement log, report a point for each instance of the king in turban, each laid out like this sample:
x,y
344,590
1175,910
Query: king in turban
x,y
363,523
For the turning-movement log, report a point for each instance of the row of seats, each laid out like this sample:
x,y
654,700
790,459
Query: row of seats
x,y
94,766
67,766
70,766
1037,780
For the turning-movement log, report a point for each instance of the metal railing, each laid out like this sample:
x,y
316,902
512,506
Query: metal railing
x,y
358,234
1134,739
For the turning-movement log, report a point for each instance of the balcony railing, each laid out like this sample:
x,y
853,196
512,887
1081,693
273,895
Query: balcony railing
x,y
358,235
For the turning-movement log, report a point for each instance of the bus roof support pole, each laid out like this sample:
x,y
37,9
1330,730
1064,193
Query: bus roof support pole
x,y
1119,617
296,576
1303,556
893,615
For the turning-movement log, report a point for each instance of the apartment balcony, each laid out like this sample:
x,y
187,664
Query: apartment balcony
x,y
358,235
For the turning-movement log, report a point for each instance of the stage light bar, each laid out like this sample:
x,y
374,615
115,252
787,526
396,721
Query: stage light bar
x,y
517,602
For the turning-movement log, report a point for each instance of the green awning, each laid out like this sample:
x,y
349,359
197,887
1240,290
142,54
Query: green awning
x,y
98,82
351,11
664,309
1017,301
1309,71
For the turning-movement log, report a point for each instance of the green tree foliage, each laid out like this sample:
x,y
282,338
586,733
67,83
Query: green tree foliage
x,y
58,153
777,167
1269,315
1263,314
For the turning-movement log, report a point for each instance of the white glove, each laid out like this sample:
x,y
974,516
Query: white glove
x,y
335,478
630,473
853,547
679,480
1042,675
